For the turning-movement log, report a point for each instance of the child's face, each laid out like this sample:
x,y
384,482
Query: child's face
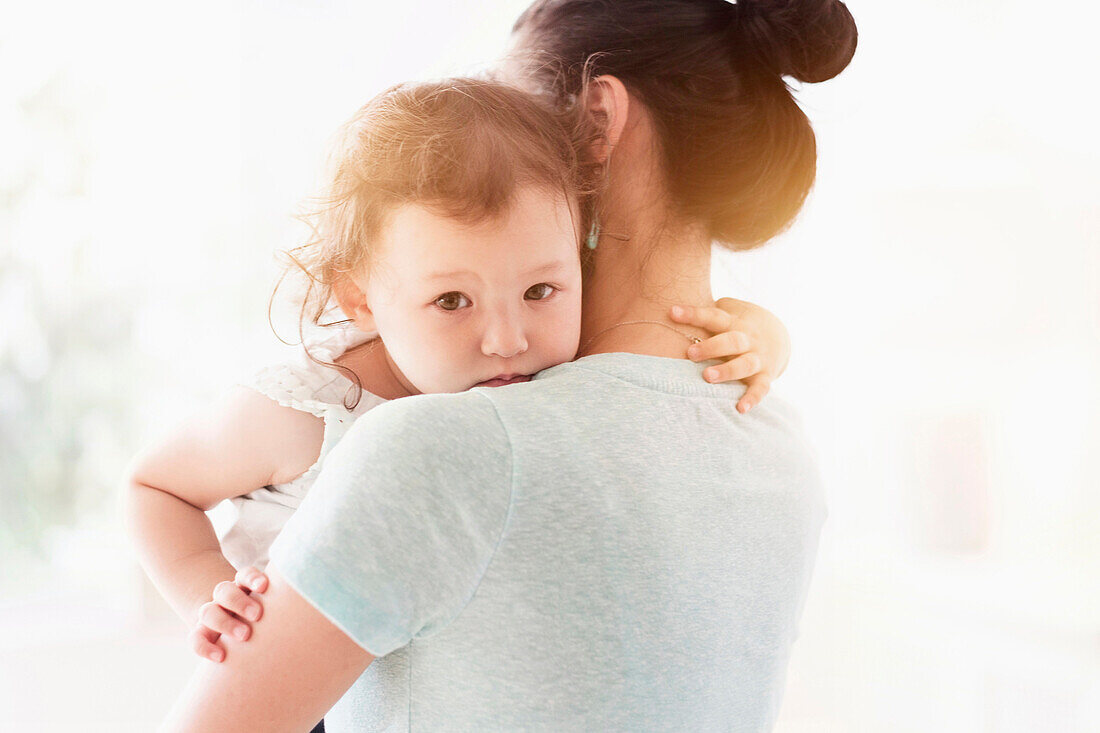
x,y
459,305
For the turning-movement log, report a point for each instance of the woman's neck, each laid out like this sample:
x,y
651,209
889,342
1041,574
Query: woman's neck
x,y
647,259
640,279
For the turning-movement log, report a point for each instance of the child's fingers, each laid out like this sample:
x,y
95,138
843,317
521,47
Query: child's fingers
x,y
252,579
216,618
709,317
230,597
735,308
725,344
743,366
202,641
759,386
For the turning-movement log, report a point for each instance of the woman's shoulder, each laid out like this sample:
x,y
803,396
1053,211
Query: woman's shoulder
x,y
423,427
423,444
444,411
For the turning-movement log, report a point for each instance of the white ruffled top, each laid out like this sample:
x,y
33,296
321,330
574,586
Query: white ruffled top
x,y
309,387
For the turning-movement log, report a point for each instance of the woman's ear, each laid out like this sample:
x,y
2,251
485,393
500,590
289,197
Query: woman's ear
x,y
608,102
353,301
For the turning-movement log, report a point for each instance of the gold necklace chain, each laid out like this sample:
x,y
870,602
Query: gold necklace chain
x,y
694,339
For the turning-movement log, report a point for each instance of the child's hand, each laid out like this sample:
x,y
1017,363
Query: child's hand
x,y
230,612
753,339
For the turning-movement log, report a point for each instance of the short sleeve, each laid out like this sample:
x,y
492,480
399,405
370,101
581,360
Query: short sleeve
x,y
394,537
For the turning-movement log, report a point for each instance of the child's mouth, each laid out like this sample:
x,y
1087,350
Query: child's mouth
x,y
500,382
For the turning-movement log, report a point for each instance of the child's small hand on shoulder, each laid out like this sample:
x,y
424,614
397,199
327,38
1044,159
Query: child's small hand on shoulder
x,y
230,612
753,340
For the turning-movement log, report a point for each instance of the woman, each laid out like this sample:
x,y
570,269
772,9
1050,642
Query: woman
x,y
617,547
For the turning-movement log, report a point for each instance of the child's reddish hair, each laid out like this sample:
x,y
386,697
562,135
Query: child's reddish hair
x,y
460,147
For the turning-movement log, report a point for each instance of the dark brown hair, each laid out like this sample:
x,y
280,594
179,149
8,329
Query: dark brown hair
x,y
460,147
738,153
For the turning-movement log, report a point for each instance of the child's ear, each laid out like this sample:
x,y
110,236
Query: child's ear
x,y
353,301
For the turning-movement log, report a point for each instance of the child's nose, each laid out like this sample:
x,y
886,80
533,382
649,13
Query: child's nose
x,y
505,338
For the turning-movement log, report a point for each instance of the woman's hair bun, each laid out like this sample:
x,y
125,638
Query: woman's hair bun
x,y
809,40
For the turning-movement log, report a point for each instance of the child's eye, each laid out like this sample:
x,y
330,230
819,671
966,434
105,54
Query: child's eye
x,y
549,290
451,301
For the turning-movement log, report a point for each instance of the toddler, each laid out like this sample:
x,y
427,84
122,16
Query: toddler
x,y
451,239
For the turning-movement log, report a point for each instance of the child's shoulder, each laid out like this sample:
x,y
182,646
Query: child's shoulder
x,y
306,382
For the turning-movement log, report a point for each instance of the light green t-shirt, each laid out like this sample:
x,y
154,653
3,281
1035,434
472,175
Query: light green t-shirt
x,y
610,546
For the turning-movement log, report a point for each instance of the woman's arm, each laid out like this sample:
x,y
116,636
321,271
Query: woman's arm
x,y
393,540
242,443
294,668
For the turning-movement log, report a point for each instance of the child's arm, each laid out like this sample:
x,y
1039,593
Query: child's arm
x,y
753,339
242,443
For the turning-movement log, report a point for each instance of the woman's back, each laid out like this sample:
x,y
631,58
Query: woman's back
x,y
608,546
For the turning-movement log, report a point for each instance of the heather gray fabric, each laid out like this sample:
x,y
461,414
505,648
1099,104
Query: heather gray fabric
x,y
610,546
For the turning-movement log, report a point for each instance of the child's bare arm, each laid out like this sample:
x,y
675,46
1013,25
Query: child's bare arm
x,y
242,443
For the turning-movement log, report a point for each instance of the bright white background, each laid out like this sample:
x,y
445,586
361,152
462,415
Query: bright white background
x,y
942,288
